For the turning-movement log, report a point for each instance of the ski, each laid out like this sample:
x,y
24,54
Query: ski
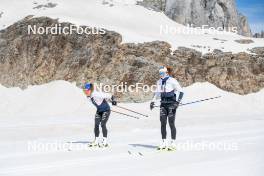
x,y
103,146
157,150
93,146
167,148
98,145
134,153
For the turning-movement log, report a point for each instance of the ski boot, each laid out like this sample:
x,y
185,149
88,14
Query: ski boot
x,y
172,146
163,145
95,143
104,143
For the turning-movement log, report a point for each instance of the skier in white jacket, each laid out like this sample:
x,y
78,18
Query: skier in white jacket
x,y
99,99
167,90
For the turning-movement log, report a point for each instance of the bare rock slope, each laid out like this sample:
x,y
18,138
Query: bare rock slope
x,y
214,13
36,59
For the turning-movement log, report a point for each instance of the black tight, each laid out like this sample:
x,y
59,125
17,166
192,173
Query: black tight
x,y
168,112
101,118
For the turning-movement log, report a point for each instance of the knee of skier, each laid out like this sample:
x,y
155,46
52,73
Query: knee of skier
x,y
103,125
172,125
172,115
172,121
97,123
163,122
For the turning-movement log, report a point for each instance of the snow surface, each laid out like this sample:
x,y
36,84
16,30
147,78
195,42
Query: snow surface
x,y
58,112
135,23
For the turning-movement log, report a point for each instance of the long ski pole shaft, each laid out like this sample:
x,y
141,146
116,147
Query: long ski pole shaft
x,y
198,101
131,111
125,114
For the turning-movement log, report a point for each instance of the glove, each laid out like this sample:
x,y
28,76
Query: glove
x,y
114,102
177,103
152,104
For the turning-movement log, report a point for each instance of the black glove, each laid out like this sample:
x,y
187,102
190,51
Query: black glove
x,y
114,102
177,103
152,104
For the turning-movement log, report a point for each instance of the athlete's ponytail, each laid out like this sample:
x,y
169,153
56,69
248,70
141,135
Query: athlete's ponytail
x,y
169,70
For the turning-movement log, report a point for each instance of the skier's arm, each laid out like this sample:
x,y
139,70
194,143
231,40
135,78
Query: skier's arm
x,y
179,89
106,96
92,100
180,96
156,93
155,97
102,95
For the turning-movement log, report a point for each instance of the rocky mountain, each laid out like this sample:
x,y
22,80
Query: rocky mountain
x,y
259,35
214,13
37,59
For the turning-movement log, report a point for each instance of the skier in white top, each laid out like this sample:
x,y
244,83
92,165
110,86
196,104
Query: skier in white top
x,y
167,90
99,99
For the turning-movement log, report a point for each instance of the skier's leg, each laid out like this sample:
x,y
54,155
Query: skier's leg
x,y
105,117
163,121
171,117
97,121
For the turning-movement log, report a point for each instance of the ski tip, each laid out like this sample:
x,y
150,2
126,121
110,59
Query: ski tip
x,y
166,149
171,150
140,153
102,146
160,149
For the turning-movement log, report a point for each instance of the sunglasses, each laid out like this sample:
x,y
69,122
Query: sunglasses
x,y
162,73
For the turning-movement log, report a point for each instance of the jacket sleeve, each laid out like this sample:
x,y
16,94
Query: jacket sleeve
x,y
93,101
157,92
178,88
102,95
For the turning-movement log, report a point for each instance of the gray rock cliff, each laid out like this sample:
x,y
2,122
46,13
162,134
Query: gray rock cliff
x,y
214,13
37,59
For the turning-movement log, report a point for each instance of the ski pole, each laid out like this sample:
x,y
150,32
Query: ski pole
x,y
197,101
200,101
125,114
131,111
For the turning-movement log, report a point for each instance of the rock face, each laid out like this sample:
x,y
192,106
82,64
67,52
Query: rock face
x,y
157,5
37,59
214,13
244,41
259,35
